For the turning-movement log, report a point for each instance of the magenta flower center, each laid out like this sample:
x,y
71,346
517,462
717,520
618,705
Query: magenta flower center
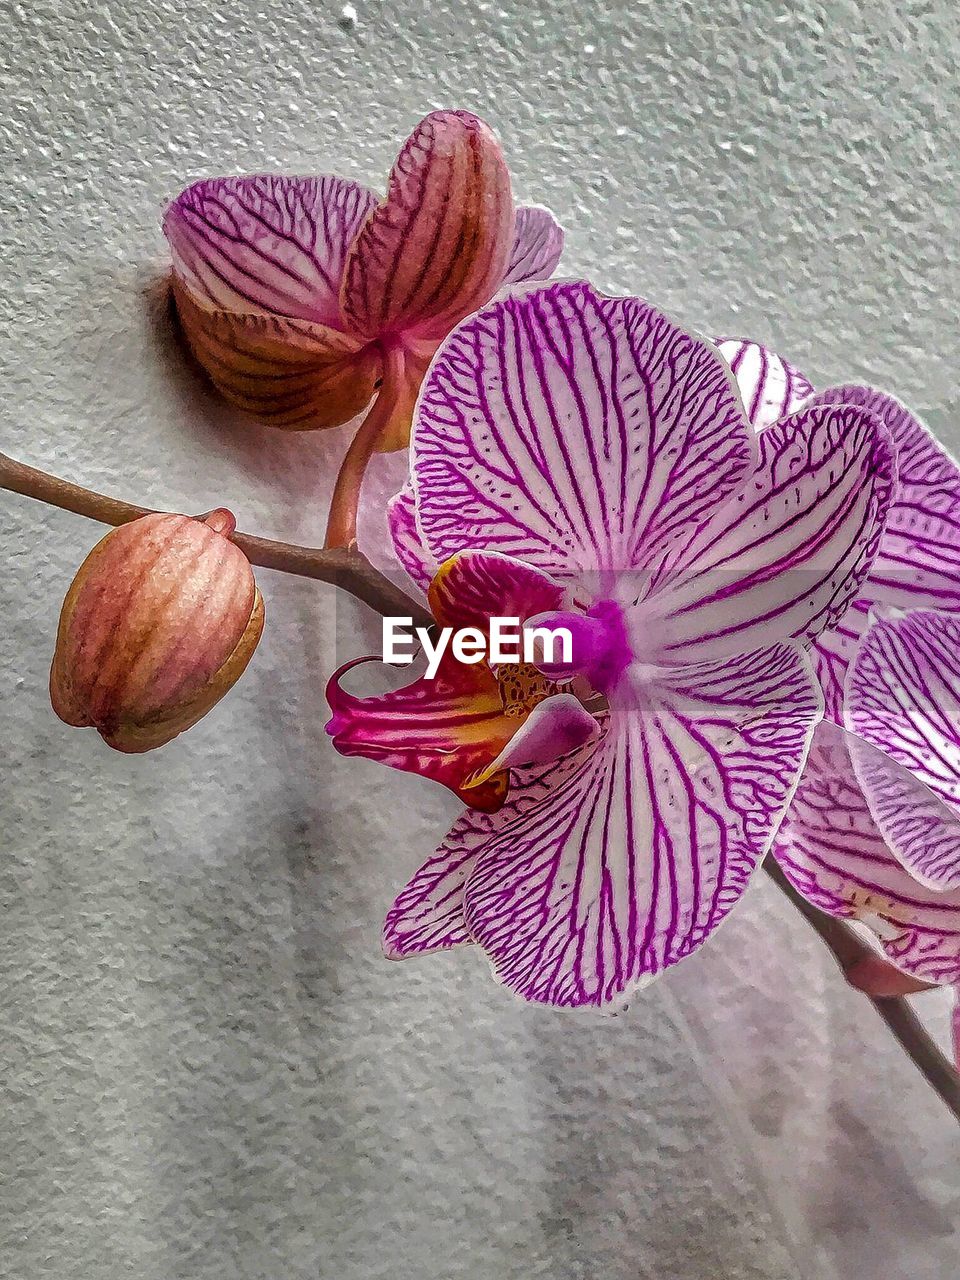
x,y
600,644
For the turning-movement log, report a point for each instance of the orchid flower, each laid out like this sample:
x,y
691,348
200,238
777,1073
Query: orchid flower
x,y
583,460
873,833
302,297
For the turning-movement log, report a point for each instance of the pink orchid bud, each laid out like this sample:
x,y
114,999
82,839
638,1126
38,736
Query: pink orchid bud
x,y
160,621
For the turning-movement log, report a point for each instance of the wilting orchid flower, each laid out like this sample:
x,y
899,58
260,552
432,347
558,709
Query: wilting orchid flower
x,y
570,444
301,296
874,830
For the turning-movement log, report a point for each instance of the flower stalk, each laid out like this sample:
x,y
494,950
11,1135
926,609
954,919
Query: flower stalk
x,y
342,520
848,949
341,567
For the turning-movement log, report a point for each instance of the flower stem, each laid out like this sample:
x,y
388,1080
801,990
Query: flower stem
x,y
343,568
848,949
342,521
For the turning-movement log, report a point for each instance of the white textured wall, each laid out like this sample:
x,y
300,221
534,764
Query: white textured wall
x,y
209,1071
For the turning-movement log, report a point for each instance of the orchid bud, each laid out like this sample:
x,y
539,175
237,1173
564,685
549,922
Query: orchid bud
x,y
160,621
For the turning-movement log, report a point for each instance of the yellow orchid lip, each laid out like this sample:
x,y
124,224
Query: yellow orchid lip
x,y
466,726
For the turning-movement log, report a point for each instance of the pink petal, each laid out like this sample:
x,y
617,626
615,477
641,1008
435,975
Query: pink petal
x,y
785,557
454,726
288,373
267,245
876,976
447,728
903,698
408,545
428,913
383,481
833,853
769,386
575,432
537,245
475,586
918,562
438,246
621,859
555,727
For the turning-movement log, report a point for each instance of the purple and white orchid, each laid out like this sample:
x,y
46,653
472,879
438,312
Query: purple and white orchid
x,y
589,460
873,833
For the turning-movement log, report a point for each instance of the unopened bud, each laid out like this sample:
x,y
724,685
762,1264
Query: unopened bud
x,y
160,621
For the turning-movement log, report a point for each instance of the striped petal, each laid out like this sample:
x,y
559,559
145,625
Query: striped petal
x,y
407,542
438,246
537,245
288,373
770,387
471,588
918,561
576,432
383,481
428,913
833,853
267,245
784,559
903,698
621,859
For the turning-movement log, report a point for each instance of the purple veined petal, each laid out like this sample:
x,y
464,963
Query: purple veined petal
x,y
918,561
408,545
292,374
903,701
622,858
473,587
437,247
832,652
786,556
537,245
267,245
833,853
771,387
427,914
576,432
384,480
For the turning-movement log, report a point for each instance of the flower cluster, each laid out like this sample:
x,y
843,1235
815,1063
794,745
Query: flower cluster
x,y
760,580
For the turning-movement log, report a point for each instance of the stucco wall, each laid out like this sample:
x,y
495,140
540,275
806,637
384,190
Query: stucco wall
x,y
208,1069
